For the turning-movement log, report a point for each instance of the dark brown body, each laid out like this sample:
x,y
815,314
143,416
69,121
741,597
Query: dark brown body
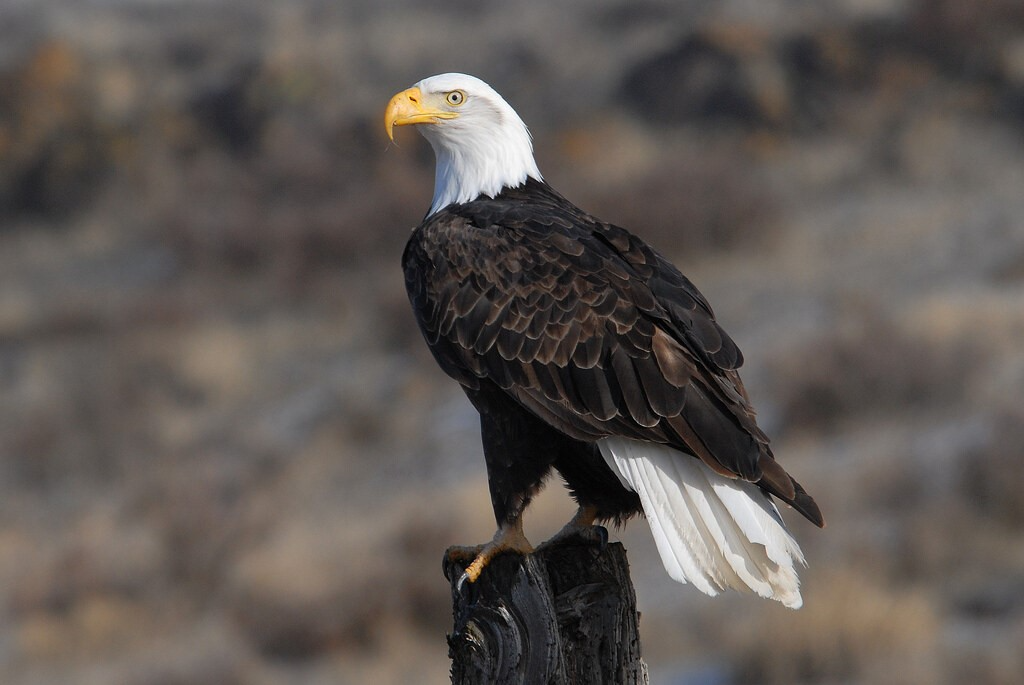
x,y
563,330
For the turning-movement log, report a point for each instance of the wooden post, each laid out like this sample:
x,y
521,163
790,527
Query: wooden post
x,y
565,615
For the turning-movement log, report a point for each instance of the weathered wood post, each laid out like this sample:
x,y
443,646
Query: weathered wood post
x,y
565,615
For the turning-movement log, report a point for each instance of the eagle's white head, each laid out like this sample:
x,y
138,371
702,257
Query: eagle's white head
x,y
480,142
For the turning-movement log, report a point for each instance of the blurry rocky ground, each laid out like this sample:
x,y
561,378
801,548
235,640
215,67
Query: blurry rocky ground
x,y
226,456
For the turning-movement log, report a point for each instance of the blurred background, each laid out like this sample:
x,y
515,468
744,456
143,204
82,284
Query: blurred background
x,y
227,457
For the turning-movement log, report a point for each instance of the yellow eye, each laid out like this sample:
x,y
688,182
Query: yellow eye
x,y
455,98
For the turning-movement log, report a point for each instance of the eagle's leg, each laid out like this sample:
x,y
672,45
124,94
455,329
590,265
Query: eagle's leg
x,y
581,526
518,449
508,538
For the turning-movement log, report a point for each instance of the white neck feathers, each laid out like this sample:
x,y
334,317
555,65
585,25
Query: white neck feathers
x,y
485,149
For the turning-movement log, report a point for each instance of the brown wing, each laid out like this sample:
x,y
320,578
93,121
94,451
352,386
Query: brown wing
x,y
588,328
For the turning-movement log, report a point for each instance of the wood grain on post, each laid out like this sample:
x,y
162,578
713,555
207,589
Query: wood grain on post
x,y
565,615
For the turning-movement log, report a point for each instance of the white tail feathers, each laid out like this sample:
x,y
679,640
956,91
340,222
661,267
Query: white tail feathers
x,y
711,531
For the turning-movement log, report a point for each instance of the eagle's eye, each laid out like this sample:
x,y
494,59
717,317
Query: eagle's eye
x,y
455,98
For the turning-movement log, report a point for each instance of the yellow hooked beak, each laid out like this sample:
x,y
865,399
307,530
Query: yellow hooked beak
x,y
408,108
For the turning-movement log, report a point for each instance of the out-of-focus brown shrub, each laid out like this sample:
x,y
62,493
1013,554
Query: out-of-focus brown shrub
x,y
851,616
55,152
296,597
710,77
965,41
695,204
868,366
737,76
991,477
306,197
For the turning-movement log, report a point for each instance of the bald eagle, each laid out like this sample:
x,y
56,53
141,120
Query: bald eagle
x,y
585,351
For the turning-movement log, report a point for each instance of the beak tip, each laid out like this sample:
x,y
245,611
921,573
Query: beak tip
x,y
389,123
407,108
391,116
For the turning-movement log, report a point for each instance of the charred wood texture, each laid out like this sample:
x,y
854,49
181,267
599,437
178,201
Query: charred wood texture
x,y
565,615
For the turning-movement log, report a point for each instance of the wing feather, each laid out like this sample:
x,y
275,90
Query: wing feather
x,y
588,328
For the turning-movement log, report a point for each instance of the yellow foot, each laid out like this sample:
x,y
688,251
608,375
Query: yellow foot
x,y
509,538
581,526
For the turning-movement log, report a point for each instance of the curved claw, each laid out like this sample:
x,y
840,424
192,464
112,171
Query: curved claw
x,y
456,554
462,581
509,538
